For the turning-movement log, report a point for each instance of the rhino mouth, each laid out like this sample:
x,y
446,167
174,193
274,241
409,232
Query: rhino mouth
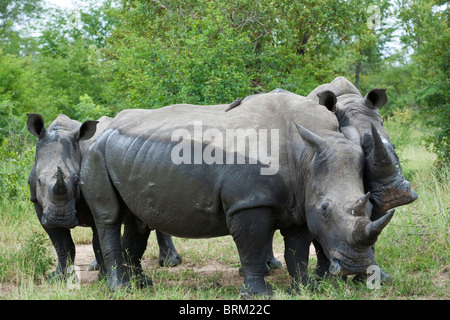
x,y
392,195
344,265
64,216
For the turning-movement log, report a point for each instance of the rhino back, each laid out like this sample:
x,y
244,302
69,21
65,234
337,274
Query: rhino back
x,y
137,149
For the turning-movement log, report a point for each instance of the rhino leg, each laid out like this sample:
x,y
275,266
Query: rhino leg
x,y
134,243
108,213
98,264
168,255
251,230
296,254
272,262
65,250
323,263
117,275
63,244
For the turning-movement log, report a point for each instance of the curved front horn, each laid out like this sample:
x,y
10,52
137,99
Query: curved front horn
x,y
366,232
374,229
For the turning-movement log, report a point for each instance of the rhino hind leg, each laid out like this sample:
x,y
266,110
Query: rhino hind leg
x,y
168,255
134,243
251,230
272,262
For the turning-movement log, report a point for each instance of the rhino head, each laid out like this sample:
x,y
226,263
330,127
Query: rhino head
x,y
361,122
336,208
54,179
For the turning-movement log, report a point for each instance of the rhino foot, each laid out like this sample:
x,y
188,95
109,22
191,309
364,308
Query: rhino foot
x,y
171,259
116,282
274,263
255,287
94,266
142,281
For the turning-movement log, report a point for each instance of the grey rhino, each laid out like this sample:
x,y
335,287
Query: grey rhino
x,y
360,120
54,186
310,187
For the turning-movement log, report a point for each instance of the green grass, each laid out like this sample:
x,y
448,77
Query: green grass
x,y
413,249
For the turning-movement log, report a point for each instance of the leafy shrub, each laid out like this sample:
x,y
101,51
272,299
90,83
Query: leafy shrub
x,y
88,110
16,166
34,257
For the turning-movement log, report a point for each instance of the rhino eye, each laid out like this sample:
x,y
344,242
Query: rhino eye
x,y
39,181
326,212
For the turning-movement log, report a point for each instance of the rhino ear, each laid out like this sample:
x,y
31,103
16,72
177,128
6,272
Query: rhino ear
x,y
86,130
328,99
376,98
318,143
35,125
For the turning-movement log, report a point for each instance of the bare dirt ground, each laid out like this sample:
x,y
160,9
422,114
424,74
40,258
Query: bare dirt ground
x,y
229,276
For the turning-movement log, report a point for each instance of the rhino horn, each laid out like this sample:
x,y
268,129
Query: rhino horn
x,y
380,154
374,229
367,235
359,207
318,143
59,188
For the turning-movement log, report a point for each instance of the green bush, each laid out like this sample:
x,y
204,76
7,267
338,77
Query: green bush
x,y
34,257
14,171
88,110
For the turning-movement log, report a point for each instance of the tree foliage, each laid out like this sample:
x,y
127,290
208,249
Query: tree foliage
x,y
427,33
149,53
202,51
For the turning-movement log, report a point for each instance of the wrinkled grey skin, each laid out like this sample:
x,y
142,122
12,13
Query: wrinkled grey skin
x,y
360,121
54,185
317,192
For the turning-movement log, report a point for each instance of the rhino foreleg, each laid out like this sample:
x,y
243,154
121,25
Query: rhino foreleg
x,y
63,244
296,254
65,250
101,197
323,263
251,230
117,275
